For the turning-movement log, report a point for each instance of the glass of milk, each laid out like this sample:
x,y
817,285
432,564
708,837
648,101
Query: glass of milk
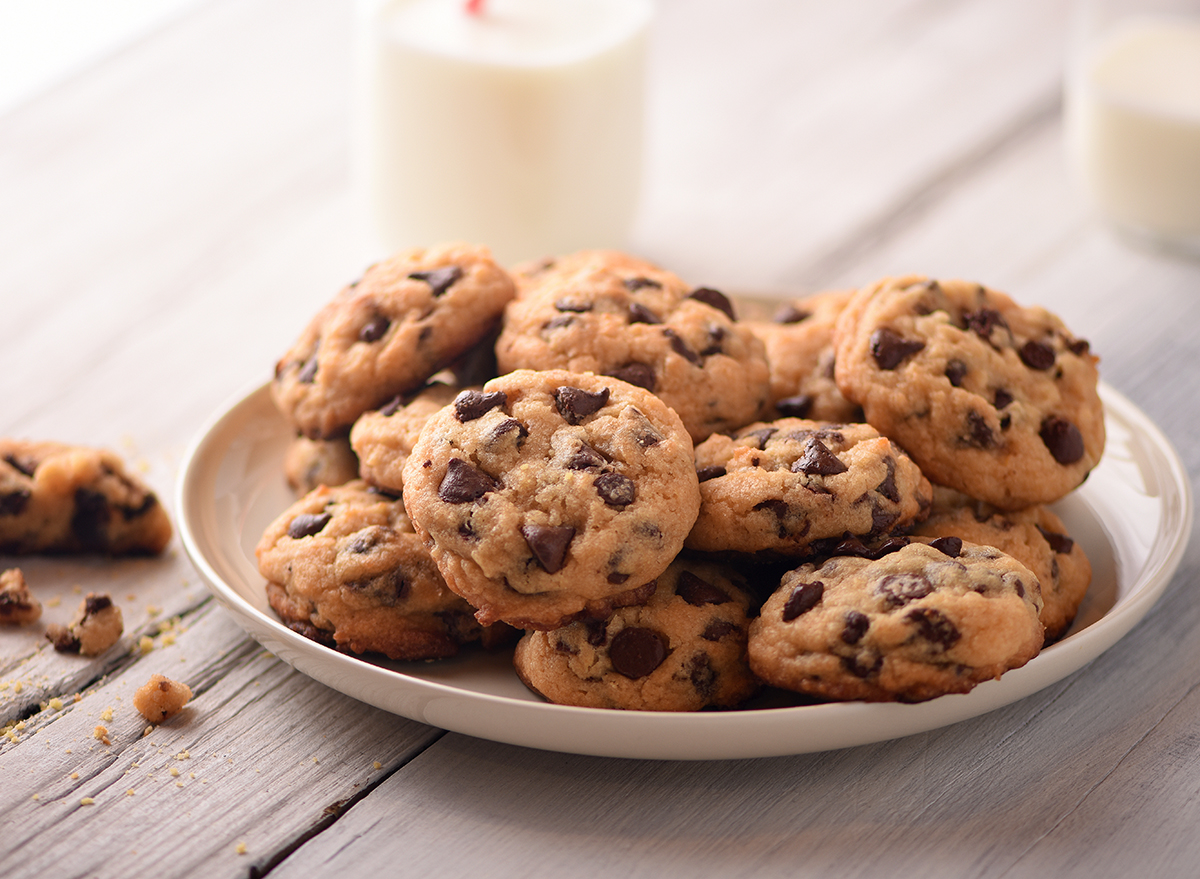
x,y
1132,116
517,124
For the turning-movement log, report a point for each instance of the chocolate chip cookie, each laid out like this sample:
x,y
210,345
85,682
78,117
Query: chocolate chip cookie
x,y
383,438
387,333
920,621
779,486
1035,537
346,569
612,314
991,398
58,498
310,463
549,496
800,351
683,650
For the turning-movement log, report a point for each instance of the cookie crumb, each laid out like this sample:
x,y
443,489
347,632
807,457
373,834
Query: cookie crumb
x,y
241,848
18,607
100,733
87,801
55,703
145,644
161,698
96,627
107,714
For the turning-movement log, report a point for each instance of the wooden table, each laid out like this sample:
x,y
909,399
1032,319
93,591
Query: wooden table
x,y
169,221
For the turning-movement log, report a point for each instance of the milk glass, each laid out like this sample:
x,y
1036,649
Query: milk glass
x,y
517,124
1133,116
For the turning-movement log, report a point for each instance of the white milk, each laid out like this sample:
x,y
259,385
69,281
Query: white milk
x,y
519,128
1133,117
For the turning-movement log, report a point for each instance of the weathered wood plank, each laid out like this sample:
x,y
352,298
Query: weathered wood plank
x,y
262,756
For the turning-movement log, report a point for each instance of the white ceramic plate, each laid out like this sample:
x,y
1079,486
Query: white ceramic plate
x,y
1133,517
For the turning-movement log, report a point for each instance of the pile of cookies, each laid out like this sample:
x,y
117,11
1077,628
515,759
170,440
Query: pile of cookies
x,y
667,508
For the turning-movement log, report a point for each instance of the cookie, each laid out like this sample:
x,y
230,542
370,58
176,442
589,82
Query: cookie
x,y
611,314
779,486
345,568
990,398
683,650
161,698
96,626
921,621
18,606
1035,537
387,333
383,438
800,351
57,498
550,496
309,463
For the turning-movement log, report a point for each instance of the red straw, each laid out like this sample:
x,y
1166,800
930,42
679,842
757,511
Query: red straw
x,y
475,7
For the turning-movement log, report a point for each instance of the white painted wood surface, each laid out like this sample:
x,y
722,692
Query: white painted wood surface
x,y
169,221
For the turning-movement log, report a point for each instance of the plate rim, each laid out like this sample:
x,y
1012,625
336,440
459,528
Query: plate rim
x,y
653,735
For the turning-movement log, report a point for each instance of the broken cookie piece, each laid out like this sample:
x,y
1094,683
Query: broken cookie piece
x,y
17,605
160,698
96,627
56,498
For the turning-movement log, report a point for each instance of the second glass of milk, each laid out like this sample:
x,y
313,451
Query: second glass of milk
x,y
1132,116
517,124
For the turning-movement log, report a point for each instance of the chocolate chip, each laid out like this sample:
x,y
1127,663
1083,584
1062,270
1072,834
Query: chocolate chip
x,y
504,428
1063,439
795,407
640,314
374,329
951,546
639,374
637,651
90,518
557,323
576,404
803,599
617,578
760,436
817,460
440,280
366,541
463,483
718,629
711,472
615,490
307,524
681,348
888,488
983,321
856,626
716,339
571,305
585,458
470,405
864,665
790,314
562,646
1002,398
698,592
1079,347
635,284
775,505
956,371
393,406
702,675
934,626
1037,355
979,434
93,604
308,372
597,632
25,468
715,298
900,589
890,349
549,544
13,503
1060,543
